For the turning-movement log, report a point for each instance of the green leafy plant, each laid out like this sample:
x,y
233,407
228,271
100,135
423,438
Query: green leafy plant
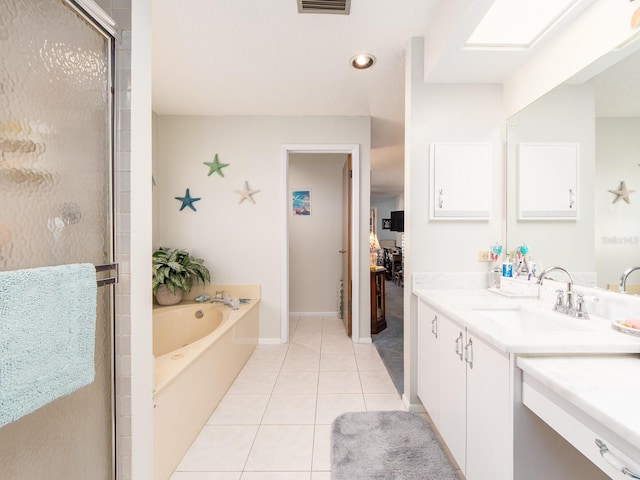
x,y
177,269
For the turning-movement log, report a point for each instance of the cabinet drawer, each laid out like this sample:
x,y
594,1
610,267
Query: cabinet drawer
x,y
582,436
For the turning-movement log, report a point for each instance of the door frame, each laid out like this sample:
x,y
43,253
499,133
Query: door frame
x,y
354,150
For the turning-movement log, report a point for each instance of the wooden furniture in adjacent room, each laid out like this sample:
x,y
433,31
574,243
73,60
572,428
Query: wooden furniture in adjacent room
x,y
378,321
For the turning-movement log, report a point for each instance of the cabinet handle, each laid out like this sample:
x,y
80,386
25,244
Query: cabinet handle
x,y
440,198
614,461
468,353
459,349
571,198
434,325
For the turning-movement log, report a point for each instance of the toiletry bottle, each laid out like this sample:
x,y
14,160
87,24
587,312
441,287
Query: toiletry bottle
x,y
507,267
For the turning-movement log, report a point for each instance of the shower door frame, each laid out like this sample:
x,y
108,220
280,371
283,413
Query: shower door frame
x,y
107,27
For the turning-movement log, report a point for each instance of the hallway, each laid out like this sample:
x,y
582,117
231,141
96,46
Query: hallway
x,y
274,422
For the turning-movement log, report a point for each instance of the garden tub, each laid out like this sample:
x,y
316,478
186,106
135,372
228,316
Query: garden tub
x,y
199,348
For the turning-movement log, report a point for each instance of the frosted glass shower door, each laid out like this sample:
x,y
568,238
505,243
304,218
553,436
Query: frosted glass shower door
x,y
56,208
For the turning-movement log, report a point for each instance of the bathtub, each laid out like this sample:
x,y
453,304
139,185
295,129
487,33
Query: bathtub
x,y
199,349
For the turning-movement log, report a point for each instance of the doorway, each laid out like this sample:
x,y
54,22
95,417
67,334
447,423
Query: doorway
x,y
288,152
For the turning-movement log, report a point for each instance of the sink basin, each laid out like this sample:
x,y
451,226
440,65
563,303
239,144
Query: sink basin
x,y
521,319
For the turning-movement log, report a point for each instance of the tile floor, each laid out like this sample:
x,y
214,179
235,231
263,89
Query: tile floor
x,y
274,422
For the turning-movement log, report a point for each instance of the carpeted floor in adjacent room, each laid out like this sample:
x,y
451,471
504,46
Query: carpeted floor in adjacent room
x,y
390,342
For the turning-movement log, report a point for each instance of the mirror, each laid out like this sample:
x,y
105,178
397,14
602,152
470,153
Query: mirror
x,y
599,111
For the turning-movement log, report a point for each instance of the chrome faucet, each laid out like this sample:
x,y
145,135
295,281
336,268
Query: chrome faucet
x,y
623,278
561,305
226,300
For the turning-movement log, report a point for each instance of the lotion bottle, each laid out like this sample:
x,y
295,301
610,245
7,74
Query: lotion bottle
x,y
507,267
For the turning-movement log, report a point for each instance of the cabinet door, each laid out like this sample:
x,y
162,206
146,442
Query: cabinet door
x,y
461,181
428,383
453,394
489,415
547,181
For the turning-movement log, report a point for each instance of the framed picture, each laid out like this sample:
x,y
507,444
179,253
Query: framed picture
x,y
301,202
386,224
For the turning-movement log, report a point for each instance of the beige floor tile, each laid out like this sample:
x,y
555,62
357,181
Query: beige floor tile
x,y
320,475
275,476
240,409
370,361
206,476
364,348
340,347
293,381
337,363
333,404
254,381
219,449
383,401
302,363
376,381
290,409
339,382
322,448
309,340
282,448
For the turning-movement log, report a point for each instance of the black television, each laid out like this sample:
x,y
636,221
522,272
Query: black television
x,y
397,221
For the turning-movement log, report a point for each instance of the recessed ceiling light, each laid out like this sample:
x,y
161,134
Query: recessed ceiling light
x,y
518,23
362,61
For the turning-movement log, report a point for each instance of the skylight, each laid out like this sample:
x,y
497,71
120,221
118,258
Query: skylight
x,y
517,23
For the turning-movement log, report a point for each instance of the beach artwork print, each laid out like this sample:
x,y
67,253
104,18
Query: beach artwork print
x,y
301,202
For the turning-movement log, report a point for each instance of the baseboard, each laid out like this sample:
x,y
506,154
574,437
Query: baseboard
x,y
415,408
364,340
270,341
313,314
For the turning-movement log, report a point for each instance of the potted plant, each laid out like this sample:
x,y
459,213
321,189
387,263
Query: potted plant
x,y
174,272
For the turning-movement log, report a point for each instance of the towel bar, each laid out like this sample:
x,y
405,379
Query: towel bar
x,y
104,268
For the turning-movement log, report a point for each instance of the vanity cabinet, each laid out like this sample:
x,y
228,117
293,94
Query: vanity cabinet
x,y
547,181
461,181
465,386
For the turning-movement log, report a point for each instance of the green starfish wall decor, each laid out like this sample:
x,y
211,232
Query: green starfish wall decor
x,y
215,166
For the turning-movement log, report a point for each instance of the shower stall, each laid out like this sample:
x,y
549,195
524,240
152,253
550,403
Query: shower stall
x,y
57,207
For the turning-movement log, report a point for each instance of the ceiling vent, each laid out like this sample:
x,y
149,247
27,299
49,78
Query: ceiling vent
x,y
340,7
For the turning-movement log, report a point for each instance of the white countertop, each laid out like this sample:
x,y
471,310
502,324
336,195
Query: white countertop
x,y
607,388
465,307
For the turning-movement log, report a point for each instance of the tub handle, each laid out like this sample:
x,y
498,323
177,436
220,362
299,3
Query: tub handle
x,y
199,314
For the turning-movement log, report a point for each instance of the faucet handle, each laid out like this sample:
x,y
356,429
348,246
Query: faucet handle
x,y
580,312
559,306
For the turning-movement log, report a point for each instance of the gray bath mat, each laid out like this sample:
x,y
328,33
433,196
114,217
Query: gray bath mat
x,y
386,445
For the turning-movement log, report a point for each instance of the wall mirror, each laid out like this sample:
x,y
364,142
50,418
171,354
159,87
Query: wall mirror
x,y
599,111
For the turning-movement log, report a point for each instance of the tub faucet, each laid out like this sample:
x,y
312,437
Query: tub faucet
x,y
234,304
560,305
623,278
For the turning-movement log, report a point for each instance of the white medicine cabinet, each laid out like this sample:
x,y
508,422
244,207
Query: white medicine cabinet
x,y
461,181
548,181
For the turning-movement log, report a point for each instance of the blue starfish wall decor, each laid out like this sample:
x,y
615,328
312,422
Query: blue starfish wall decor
x,y
215,166
187,201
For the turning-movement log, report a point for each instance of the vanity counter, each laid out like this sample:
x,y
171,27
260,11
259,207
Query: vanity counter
x,y
472,309
605,388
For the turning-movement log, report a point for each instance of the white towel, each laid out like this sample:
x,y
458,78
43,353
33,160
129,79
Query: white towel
x,y
47,336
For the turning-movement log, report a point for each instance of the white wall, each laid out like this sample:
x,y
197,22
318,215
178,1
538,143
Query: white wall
x,y
384,207
242,243
444,113
566,115
617,224
315,264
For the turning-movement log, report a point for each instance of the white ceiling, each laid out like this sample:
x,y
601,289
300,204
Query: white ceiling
x,y
261,57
